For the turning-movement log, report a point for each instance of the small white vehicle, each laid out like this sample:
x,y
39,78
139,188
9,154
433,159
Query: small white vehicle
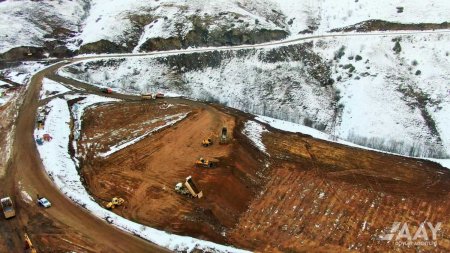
x,y
44,202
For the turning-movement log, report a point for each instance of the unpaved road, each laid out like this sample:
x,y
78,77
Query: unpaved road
x,y
65,226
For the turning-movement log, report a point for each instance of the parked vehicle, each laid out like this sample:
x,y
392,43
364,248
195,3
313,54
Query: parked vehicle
x,y
8,207
44,202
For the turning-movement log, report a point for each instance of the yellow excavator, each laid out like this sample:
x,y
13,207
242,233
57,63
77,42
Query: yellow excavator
x,y
201,162
115,202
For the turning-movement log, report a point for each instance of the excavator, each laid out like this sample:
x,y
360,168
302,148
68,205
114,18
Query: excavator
x,y
202,162
115,202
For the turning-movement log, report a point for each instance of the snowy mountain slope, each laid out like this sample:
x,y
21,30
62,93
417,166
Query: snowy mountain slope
x,y
262,81
390,100
33,23
395,100
131,24
101,26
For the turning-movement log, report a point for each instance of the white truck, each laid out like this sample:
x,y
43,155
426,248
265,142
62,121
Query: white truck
x,y
8,208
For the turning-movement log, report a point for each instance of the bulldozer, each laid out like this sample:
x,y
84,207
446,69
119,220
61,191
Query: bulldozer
x,y
207,142
115,202
202,162
188,188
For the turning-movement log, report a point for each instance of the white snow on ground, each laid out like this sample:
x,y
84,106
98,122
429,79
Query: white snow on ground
x,y
114,20
4,97
22,73
169,121
78,110
51,88
297,128
254,130
62,170
25,23
334,14
132,22
381,96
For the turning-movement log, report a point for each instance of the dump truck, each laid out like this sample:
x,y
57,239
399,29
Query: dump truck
x,y
148,96
8,208
188,188
223,136
115,202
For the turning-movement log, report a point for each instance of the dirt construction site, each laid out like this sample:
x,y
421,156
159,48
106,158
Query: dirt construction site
x,y
302,193
297,194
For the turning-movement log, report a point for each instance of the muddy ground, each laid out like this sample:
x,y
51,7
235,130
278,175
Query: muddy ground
x,y
307,195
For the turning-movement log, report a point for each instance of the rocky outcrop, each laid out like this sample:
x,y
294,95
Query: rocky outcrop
x,y
381,25
102,46
201,37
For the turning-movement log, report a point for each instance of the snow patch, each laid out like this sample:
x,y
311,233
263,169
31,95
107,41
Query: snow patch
x,y
51,88
254,131
169,121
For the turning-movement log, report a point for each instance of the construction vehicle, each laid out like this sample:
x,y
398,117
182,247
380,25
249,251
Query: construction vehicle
x,y
223,136
29,245
107,90
201,162
148,96
188,188
8,208
115,202
207,142
44,202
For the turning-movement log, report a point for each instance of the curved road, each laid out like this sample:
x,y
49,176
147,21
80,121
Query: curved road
x,y
26,169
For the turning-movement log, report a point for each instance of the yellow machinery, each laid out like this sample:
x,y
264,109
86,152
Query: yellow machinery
x,y
115,202
201,162
29,245
207,142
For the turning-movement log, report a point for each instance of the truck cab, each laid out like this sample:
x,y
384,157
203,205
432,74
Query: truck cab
x,y
8,207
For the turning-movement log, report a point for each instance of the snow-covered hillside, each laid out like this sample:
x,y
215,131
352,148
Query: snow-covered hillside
x,y
394,100
33,23
141,25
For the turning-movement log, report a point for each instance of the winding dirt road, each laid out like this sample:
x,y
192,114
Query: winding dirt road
x,y
67,226
79,229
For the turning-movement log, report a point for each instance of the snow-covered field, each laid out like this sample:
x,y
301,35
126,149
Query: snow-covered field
x,y
22,73
397,102
254,131
25,23
51,88
130,23
62,170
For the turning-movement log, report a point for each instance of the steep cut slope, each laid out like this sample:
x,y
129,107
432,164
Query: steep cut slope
x,y
362,88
